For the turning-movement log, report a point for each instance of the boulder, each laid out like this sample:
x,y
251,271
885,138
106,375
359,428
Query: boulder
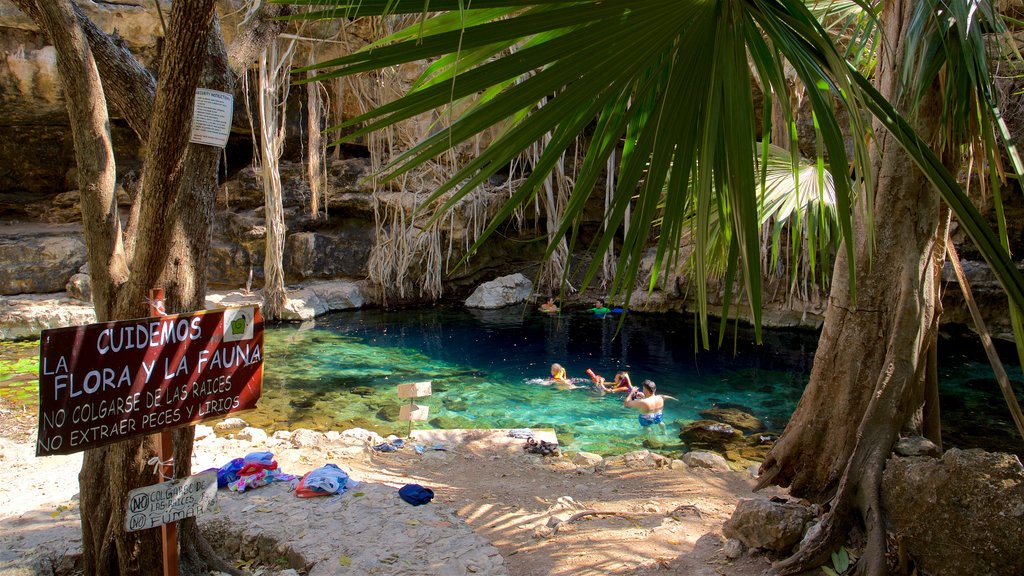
x,y
709,434
587,459
735,417
362,435
916,446
232,423
319,298
306,438
254,435
970,498
644,459
26,315
79,287
708,460
39,261
776,526
202,431
501,292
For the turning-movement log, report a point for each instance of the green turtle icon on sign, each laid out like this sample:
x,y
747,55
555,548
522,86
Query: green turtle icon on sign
x,y
238,325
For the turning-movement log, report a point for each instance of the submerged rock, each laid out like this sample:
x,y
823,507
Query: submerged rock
x,y
735,417
455,404
389,413
717,436
363,391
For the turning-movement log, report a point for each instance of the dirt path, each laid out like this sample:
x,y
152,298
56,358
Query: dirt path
x,y
673,517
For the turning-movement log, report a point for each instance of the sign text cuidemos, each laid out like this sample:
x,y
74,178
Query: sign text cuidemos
x,y
107,382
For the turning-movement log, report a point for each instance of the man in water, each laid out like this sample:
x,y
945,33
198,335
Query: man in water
x,y
650,405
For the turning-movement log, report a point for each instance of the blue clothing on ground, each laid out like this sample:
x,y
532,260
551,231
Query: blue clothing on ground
x,y
649,419
327,478
415,494
228,473
265,458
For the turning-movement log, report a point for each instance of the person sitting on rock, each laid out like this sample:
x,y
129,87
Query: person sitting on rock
x,y
649,403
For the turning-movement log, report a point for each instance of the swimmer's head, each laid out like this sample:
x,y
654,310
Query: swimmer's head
x,y
650,388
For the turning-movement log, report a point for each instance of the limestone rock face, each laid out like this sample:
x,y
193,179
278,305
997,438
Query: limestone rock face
x,y
776,526
39,261
970,498
501,292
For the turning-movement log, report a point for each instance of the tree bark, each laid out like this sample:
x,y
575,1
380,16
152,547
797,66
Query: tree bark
x,y
108,473
165,148
185,274
871,357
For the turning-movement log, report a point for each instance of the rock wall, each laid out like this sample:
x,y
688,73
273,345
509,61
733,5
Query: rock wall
x,y
38,181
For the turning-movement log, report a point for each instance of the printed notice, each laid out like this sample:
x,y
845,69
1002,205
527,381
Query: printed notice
x,y
159,504
211,118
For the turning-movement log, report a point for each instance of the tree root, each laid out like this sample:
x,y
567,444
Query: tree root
x,y
631,516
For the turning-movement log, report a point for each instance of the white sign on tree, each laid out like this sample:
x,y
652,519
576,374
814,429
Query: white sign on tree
x,y
211,117
159,504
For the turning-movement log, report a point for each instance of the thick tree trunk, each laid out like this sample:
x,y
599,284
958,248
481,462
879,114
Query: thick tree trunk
x,y
871,357
109,473
184,279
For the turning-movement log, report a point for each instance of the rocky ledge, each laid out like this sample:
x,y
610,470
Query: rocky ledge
x,y
23,316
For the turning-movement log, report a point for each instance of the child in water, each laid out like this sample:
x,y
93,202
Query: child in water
x,y
558,377
621,383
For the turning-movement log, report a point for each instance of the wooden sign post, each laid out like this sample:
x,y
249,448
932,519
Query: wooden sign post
x,y
413,411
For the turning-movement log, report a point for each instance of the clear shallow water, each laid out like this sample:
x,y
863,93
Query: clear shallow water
x,y
487,369
487,366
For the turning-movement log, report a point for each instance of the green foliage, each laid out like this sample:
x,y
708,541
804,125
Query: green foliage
x,y
667,82
842,560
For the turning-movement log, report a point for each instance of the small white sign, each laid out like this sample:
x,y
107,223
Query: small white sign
x,y
238,323
414,390
211,117
413,412
159,504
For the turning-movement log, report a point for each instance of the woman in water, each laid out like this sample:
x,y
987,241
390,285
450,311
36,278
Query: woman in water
x,y
549,307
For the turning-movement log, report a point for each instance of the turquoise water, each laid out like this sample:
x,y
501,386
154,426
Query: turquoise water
x,y
489,368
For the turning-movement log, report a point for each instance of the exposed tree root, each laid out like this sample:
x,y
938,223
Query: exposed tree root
x,y
631,516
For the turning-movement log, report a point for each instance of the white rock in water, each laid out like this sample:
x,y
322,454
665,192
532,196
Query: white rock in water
x,y
203,431
501,292
254,435
230,424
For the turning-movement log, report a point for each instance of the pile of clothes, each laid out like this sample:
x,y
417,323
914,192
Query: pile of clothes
x,y
324,481
254,470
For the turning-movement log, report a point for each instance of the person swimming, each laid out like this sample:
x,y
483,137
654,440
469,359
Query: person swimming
x,y
650,405
558,376
600,309
549,306
620,384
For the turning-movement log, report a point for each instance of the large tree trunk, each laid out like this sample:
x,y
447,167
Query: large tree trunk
x,y
871,358
108,473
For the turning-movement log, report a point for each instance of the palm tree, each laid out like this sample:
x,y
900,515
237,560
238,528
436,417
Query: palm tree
x,y
668,83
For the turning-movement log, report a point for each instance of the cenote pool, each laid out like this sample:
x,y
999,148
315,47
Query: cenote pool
x,y
488,369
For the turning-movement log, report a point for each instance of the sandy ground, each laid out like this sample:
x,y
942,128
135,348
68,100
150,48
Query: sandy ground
x,y
674,524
